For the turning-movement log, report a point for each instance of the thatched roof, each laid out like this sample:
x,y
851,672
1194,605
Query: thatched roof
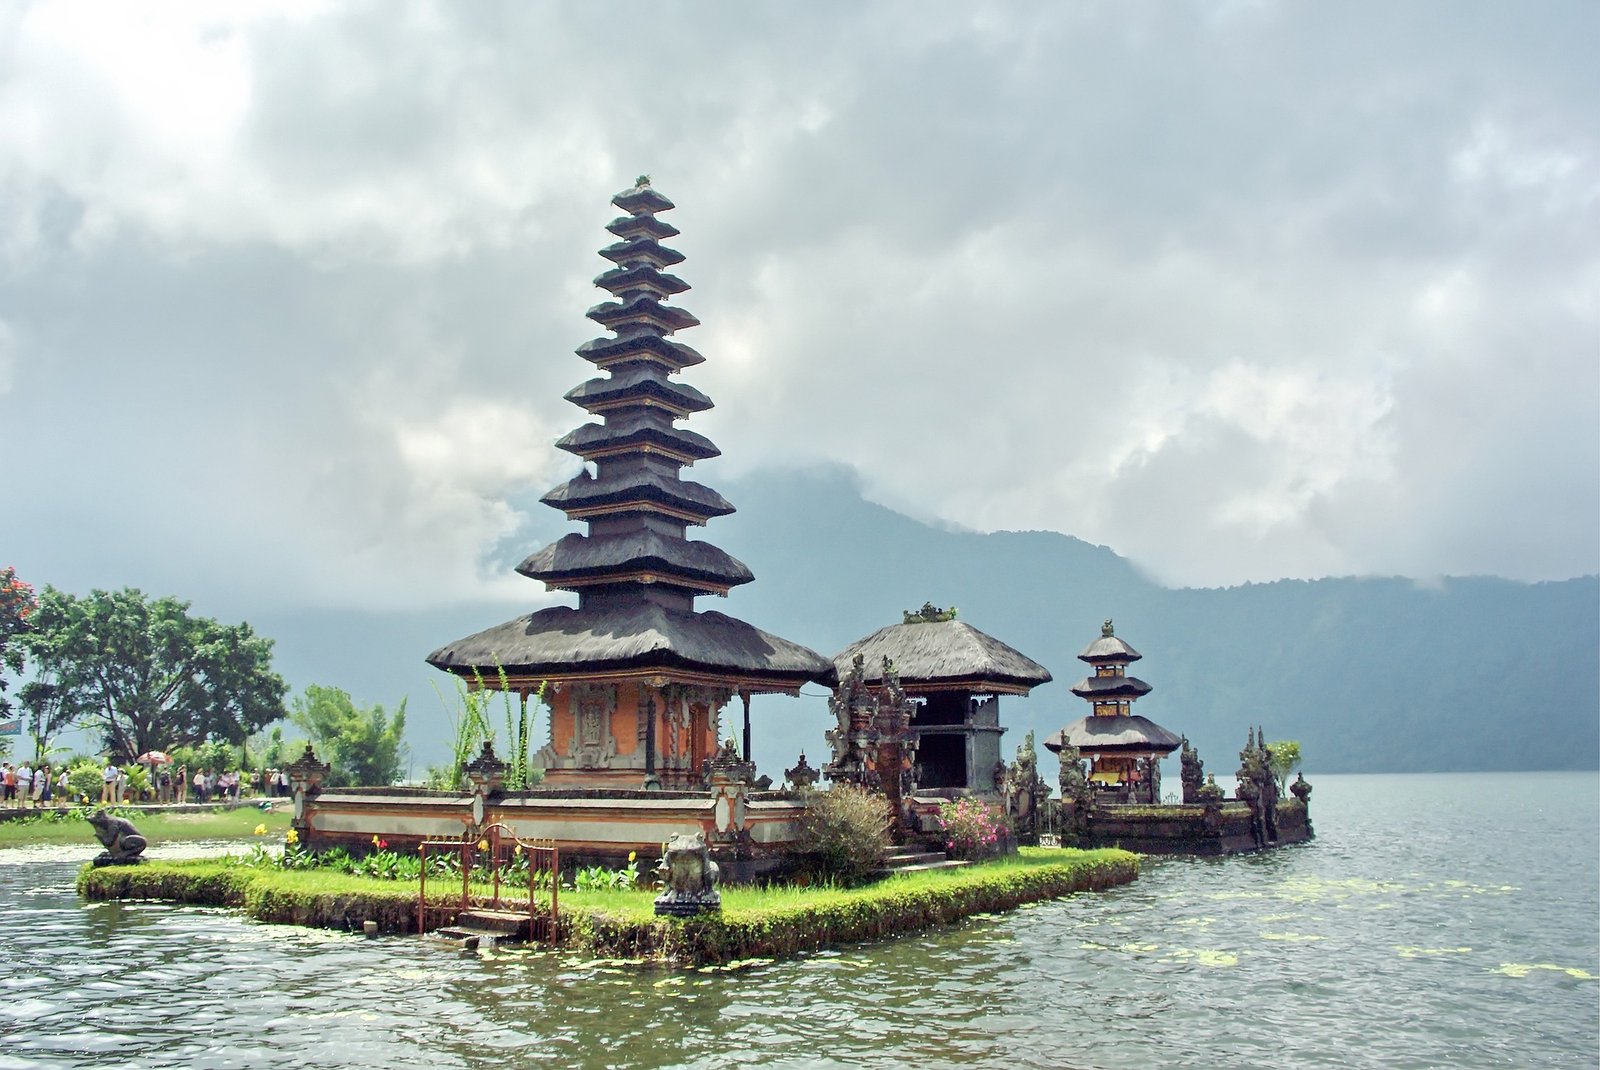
x,y
1108,648
1104,687
637,381
579,556
626,430
641,309
636,226
585,491
639,276
1113,734
675,353
563,642
944,655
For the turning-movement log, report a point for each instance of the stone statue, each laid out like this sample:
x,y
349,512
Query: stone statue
x,y
1301,788
122,842
873,747
1075,797
1025,791
802,776
1191,773
1258,787
689,876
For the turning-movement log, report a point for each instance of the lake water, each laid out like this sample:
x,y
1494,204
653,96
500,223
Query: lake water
x,y
1436,921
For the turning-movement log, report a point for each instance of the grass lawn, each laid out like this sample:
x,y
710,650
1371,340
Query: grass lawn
x,y
770,921
69,826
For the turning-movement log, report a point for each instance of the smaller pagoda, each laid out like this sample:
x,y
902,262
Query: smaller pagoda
x,y
1123,748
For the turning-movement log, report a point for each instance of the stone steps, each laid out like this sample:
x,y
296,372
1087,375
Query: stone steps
x,y
913,860
485,928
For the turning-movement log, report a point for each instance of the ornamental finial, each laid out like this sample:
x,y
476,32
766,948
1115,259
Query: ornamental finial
x,y
1106,631
642,182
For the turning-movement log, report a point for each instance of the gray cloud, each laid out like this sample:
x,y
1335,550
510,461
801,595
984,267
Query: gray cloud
x,y
288,296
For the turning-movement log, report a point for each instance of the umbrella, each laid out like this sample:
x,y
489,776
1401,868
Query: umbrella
x,y
154,757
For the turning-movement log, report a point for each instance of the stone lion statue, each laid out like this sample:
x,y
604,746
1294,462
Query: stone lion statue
x,y
122,842
689,875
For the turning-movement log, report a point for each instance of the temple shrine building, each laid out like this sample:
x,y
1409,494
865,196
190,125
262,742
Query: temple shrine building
x,y
1124,749
955,674
637,678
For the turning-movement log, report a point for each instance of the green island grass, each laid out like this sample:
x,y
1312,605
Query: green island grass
x,y
755,922
69,826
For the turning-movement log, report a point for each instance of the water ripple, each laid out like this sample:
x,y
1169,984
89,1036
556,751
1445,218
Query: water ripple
x,y
1475,943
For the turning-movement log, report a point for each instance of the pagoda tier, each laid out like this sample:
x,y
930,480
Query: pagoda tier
x,y
1110,689
637,676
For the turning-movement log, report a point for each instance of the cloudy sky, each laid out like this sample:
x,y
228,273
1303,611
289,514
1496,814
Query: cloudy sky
x,y
289,292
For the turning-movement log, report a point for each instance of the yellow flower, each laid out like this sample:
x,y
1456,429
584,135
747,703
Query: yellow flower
x,y
375,840
483,845
633,856
292,837
261,830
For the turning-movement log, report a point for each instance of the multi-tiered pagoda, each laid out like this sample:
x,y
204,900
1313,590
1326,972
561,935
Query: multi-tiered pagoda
x,y
1124,749
637,678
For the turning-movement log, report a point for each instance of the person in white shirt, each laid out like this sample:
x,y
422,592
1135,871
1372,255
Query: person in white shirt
x,y
24,783
108,783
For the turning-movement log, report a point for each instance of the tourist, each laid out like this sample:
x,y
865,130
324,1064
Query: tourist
x,y
119,786
181,782
164,785
63,787
8,784
24,784
108,782
199,785
42,795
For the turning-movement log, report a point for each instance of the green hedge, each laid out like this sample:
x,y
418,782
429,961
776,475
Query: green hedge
x,y
796,921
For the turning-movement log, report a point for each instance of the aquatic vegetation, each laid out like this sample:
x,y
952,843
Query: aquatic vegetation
x,y
1523,969
1426,952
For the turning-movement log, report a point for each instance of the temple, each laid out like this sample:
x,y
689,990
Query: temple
x,y
636,678
1123,748
955,674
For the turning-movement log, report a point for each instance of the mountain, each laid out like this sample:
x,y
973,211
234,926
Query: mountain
x,y
1370,674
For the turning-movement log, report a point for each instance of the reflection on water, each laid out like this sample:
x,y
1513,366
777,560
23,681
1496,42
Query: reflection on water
x,y
1471,943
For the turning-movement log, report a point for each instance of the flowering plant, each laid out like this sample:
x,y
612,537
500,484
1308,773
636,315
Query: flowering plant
x,y
972,829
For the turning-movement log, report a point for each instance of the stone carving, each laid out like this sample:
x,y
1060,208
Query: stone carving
x,y
873,746
1025,791
802,776
1075,795
122,842
689,877
593,746
1301,788
1259,788
928,614
306,774
1191,772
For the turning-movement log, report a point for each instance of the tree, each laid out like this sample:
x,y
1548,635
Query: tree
x,y
16,606
1285,760
48,710
145,674
363,745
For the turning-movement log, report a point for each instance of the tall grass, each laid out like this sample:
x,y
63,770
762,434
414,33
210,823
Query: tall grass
x,y
471,727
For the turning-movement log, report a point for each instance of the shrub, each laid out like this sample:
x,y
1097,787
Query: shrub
x,y
973,830
84,781
844,832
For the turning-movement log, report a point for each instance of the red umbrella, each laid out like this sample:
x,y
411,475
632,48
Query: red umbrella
x,y
154,757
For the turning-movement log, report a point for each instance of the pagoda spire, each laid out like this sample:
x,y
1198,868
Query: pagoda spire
x,y
635,502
